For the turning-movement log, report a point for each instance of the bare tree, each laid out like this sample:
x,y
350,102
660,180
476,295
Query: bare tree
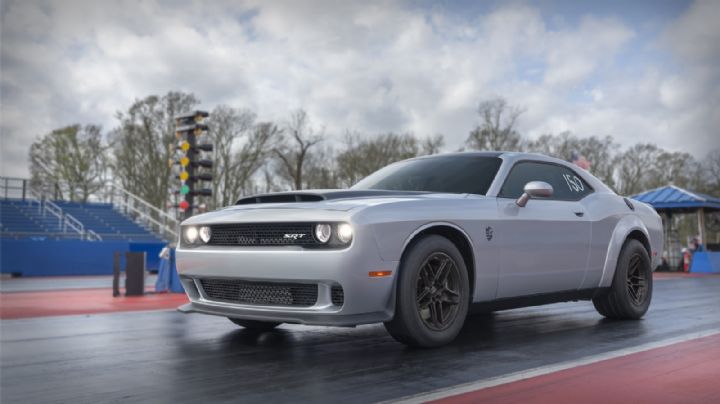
x,y
72,159
321,170
362,157
710,176
293,149
675,168
240,148
603,153
144,142
269,179
432,144
497,128
251,157
634,168
646,166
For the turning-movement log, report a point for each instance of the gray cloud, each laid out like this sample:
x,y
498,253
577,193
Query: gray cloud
x,y
358,66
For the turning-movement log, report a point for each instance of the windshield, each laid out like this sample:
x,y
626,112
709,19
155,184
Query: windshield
x,y
449,174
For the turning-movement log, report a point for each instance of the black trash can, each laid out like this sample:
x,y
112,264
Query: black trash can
x,y
135,273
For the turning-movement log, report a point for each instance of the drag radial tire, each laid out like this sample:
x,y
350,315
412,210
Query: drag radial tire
x,y
631,290
254,324
432,296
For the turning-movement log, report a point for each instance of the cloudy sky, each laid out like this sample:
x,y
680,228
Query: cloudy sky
x,y
639,71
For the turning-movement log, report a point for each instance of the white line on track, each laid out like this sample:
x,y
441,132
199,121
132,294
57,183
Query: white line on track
x,y
543,370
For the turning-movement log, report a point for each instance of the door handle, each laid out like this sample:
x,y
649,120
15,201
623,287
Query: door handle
x,y
579,213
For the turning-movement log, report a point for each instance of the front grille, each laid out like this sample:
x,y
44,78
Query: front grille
x,y
337,296
263,234
260,293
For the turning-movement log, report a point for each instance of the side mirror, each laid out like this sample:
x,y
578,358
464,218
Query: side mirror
x,y
534,189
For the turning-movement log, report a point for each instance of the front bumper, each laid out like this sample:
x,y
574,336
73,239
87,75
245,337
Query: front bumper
x,y
366,299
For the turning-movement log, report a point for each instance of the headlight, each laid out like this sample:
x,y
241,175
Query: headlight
x,y
191,234
344,233
205,234
323,232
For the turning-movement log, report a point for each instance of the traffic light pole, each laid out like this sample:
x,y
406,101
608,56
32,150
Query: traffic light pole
x,y
190,197
188,128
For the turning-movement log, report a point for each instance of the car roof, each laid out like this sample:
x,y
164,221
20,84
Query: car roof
x,y
506,155
463,153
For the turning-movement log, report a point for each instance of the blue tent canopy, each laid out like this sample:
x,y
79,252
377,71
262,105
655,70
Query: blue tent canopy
x,y
671,197
670,200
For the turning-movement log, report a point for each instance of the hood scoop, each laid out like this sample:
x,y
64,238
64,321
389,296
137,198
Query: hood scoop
x,y
280,198
320,195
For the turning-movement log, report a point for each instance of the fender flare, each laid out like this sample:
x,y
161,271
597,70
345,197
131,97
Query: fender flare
x,y
426,226
390,307
473,261
623,228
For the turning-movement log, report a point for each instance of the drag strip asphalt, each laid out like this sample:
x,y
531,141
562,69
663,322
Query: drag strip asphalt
x,y
166,356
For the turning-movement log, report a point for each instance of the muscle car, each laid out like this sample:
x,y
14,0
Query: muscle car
x,y
421,243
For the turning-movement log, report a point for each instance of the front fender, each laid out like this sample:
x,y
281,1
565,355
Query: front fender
x,y
388,247
389,241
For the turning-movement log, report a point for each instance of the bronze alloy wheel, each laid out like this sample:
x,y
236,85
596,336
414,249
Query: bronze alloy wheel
x,y
637,280
438,291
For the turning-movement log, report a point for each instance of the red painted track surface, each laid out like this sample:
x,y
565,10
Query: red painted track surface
x,y
659,276
81,301
91,301
168,356
687,372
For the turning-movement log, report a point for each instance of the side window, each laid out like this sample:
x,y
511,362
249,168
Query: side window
x,y
567,185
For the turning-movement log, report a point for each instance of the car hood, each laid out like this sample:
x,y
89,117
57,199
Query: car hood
x,y
295,205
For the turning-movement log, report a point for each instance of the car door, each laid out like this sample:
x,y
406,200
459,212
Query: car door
x,y
545,244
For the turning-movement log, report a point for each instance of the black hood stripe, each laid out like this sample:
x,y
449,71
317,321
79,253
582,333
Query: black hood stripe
x,y
321,195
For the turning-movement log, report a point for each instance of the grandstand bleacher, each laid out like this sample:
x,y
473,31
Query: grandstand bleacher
x,y
107,222
40,236
19,219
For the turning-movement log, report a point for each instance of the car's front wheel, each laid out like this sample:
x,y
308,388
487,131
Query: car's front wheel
x,y
254,324
433,294
631,290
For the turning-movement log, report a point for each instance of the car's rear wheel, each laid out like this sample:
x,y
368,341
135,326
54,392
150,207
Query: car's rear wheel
x,y
432,296
255,324
631,290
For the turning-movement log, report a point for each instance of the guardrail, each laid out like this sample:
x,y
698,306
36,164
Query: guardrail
x,y
92,236
65,220
73,223
49,207
141,211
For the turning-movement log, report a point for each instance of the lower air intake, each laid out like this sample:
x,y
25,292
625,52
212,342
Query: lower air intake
x,y
260,293
337,296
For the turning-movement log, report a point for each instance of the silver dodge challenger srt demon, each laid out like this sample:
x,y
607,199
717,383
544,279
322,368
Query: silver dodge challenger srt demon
x,y
420,243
